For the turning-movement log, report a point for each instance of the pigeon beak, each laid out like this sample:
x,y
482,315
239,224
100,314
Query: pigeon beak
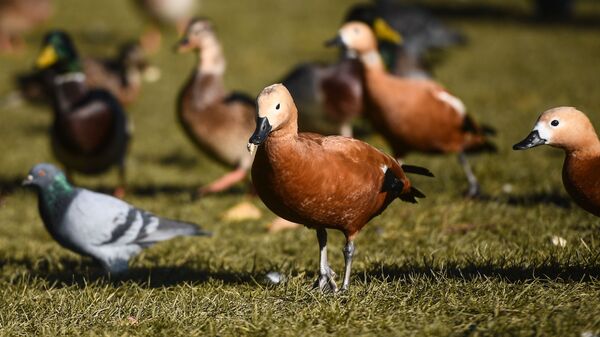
x,y
263,128
532,140
28,181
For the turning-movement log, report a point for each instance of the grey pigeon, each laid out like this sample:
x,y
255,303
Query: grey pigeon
x,y
98,225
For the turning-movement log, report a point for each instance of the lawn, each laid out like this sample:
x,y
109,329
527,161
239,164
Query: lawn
x,y
447,266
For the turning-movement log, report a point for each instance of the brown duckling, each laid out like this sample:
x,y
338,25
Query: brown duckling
x,y
217,121
90,131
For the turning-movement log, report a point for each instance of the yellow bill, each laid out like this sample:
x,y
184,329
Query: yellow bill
x,y
47,57
385,32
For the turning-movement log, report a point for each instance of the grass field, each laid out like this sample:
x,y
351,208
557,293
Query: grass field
x,y
445,267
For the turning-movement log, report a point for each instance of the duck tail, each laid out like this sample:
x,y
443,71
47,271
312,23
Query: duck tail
x,y
413,169
480,144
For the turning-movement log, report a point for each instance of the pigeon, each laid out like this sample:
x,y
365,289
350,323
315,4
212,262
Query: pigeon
x,y
103,227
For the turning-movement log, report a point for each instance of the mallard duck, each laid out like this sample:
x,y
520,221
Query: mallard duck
x,y
90,131
121,75
18,17
217,121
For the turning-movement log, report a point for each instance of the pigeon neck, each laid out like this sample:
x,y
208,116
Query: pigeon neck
x,y
55,197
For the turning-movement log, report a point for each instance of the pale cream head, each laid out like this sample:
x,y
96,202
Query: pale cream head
x,y
567,128
276,104
358,36
198,35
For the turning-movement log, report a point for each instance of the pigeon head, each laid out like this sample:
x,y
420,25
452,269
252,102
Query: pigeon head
x,y
44,175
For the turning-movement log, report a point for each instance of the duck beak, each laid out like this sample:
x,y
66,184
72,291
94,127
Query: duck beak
x,y
46,58
335,42
385,32
263,128
181,45
28,181
532,140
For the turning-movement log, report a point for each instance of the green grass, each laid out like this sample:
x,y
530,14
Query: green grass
x,y
445,267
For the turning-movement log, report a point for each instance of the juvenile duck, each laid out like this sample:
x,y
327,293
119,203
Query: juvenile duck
x,y
90,129
569,129
217,121
413,114
321,182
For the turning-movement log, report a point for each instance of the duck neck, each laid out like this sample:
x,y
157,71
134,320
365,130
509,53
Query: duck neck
x,y
66,88
211,60
372,61
590,149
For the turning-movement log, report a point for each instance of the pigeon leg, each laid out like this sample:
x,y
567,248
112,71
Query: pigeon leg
x,y
326,275
348,253
474,189
224,182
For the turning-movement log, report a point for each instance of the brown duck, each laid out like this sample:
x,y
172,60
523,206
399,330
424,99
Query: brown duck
x,y
19,16
90,130
413,114
569,129
217,121
321,182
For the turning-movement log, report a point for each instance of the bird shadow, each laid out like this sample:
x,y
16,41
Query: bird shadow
x,y
513,273
83,272
552,198
8,185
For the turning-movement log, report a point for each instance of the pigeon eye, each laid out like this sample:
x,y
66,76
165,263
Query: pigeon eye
x,y
554,123
277,106
42,173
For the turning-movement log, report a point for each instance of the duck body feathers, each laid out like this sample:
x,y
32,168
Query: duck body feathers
x,y
218,122
326,182
581,178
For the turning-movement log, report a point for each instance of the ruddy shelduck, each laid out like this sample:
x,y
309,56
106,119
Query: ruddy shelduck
x,y
569,129
321,182
413,114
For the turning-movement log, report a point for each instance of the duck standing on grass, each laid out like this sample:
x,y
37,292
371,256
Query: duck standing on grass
x,y
321,182
569,129
413,114
92,224
217,121
90,132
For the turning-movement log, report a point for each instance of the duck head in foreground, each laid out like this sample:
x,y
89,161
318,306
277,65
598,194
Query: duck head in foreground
x,y
321,182
571,130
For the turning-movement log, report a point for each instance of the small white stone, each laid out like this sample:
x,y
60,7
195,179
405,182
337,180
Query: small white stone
x,y
559,241
152,74
507,188
274,277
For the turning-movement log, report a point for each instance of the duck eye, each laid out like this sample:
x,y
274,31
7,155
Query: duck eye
x,y
277,106
554,123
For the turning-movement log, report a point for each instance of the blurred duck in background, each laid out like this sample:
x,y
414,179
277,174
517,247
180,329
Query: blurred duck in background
x,y
121,75
413,114
173,13
218,121
90,132
331,96
18,17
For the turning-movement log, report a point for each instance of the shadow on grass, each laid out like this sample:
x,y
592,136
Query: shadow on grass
x,y
82,272
549,271
553,198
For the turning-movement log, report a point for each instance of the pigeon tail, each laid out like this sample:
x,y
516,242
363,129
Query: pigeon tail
x,y
168,229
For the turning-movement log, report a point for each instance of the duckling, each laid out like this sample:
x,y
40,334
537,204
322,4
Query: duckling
x,y
570,129
217,121
413,114
120,75
90,131
164,12
18,17
321,182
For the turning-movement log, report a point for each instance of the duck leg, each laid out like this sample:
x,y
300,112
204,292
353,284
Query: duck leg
x,y
348,253
474,189
326,275
224,182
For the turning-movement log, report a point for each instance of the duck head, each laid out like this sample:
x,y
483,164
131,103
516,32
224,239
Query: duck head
x,y
41,176
562,127
58,52
132,56
197,34
276,111
355,36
